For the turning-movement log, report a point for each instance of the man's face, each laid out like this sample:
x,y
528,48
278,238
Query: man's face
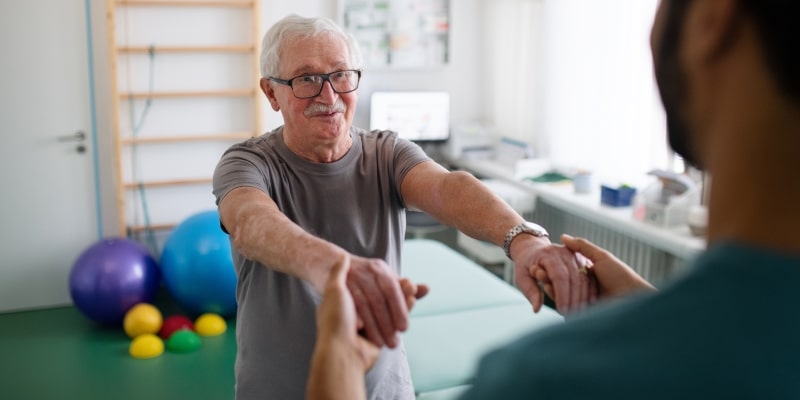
x,y
666,39
327,116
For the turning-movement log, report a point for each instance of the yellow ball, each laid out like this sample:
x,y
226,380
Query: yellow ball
x,y
210,325
142,318
146,345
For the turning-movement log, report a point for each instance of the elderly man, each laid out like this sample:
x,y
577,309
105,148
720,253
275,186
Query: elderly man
x,y
728,75
299,199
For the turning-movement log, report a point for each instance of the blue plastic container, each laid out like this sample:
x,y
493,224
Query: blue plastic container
x,y
617,197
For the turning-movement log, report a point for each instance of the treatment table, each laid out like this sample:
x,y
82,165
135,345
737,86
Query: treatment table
x,y
468,312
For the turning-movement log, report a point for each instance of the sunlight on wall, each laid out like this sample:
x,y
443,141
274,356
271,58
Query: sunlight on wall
x,y
513,54
601,110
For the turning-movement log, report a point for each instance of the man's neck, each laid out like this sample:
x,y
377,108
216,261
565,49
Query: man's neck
x,y
319,151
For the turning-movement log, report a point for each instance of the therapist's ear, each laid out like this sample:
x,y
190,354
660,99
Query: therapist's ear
x,y
713,27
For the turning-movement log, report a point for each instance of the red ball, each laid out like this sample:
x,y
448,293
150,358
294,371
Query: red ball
x,y
174,323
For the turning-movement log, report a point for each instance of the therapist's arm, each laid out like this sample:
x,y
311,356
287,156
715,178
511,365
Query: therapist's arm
x,y
341,356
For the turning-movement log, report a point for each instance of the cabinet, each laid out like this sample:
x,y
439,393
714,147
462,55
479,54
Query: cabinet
x,y
184,88
399,33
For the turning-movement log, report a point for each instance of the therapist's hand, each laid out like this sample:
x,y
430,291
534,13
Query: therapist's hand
x,y
382,300
614,277
568,287
341,356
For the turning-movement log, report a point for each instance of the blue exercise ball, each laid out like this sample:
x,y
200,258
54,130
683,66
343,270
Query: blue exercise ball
x,y
110,277
197,267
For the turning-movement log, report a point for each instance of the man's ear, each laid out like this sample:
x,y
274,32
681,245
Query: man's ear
x,y
712,27
269,91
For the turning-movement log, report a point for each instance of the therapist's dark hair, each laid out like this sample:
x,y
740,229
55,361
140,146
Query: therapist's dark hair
x,y
778,27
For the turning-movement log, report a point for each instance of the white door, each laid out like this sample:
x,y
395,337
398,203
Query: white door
x,y
48,209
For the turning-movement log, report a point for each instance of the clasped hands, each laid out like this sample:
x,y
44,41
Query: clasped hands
x,y
382,301
365,306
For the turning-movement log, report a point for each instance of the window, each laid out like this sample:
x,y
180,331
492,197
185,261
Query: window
x,y
594,99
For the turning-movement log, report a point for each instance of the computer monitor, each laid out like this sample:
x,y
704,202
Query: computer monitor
x,y
416,116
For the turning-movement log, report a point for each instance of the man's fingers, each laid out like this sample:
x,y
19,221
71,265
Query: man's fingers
x,y
383,308
561,282
529,288
383,312
577,282
417,291
395,304
422,290
541,276
412,292
364,311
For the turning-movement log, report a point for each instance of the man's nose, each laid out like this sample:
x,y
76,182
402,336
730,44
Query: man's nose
x,y
327,95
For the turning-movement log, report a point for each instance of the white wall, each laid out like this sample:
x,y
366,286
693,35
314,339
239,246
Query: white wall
x,y
558,74
462,77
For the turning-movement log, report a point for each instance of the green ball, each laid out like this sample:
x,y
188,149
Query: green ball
x,y
183,341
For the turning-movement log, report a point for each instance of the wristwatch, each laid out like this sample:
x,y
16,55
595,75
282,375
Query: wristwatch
x,y
525,227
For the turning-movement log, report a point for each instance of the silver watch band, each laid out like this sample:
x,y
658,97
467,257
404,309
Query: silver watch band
x,y
525,227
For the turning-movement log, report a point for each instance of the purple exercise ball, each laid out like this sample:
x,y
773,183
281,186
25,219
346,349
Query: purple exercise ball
x,y
112,276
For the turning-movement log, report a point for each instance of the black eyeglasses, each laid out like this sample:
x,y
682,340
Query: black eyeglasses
x,y
308,86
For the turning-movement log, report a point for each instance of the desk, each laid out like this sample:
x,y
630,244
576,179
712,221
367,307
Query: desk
x,y
675,241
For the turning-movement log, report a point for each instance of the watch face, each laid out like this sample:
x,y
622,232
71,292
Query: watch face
x,y
536,228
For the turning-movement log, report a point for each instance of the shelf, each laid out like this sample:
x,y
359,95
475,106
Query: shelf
x,y
154,227
160,184
187,49
211,93
186,3
178,132
189,138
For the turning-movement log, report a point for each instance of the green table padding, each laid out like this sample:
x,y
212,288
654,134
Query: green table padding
x,y
468,312
443,350
456,282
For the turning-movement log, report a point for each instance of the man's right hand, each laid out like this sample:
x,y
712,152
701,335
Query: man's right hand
x,y
382,300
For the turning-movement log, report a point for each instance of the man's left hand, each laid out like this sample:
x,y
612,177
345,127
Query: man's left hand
x,y
572,289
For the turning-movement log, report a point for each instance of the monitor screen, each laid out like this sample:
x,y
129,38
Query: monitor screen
x,y
416,116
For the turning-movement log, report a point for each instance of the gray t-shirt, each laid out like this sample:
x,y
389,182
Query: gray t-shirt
x,y
355,203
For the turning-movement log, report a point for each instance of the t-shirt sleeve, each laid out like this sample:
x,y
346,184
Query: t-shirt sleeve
x,y
407,155
238,167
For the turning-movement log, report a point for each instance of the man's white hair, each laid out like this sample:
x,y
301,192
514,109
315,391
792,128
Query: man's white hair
x,y
294,26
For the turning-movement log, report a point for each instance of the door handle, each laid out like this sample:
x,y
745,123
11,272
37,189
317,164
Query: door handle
x,y
78,136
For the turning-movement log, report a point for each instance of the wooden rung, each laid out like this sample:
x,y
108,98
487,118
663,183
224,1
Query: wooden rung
x,y
174,182
188,138
188,49
187,3
153,227
214,93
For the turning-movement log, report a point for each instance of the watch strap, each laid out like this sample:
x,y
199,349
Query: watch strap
x,y
525,227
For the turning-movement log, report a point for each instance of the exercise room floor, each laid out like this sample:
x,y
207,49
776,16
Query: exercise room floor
x,y
60,354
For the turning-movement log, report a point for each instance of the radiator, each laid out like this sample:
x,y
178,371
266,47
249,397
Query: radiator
x,y
653,264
